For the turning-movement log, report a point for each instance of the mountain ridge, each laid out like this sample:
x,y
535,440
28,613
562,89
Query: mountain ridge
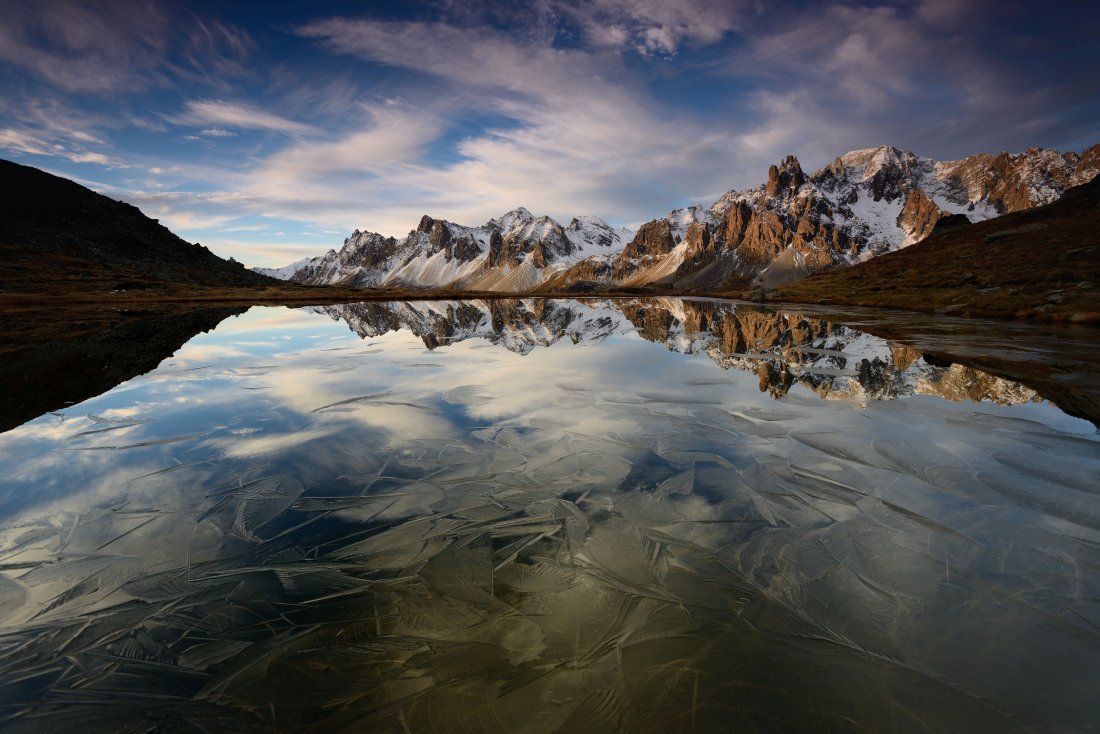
x,y
865,203
783,348
1036,263
505,254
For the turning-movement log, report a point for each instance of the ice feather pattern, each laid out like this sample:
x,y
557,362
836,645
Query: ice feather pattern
x,y
663,563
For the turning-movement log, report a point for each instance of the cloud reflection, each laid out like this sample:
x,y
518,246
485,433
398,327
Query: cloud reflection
x,y
543,530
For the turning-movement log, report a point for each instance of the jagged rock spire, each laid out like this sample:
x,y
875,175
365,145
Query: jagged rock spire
x,y
787,178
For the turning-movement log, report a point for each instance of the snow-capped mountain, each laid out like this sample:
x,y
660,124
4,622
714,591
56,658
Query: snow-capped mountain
x,y
287,271
865,203
783,349
512,253
518,325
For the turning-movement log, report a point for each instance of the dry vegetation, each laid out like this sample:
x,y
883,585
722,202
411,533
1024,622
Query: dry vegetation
x,y
1040,264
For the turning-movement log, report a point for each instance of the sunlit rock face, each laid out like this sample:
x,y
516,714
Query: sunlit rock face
x,y
919,215
877,200
865,203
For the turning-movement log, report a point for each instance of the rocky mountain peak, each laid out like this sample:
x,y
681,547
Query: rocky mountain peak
x,y
511,220
438,234
785,179
652,238
886,169
866,202
1088,165
872,159
587,221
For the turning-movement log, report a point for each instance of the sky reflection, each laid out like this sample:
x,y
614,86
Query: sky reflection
x,y
560,521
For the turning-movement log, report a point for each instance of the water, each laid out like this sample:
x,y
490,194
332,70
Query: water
x,y
558,516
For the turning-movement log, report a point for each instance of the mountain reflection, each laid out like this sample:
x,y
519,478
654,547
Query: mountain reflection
x,y
783,349
39,377
288,528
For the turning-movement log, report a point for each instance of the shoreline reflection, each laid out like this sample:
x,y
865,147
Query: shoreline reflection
x,y
409,527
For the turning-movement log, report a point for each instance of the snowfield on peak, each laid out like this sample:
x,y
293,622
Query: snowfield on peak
x,y
865,203
287,271
511,253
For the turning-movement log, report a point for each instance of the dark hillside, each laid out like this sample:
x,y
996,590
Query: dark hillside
x,y
49,224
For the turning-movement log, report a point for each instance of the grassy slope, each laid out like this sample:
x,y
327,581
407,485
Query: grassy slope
x,y
1043,263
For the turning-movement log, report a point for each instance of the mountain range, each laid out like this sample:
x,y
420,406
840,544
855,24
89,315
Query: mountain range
x,y
863,204
783,348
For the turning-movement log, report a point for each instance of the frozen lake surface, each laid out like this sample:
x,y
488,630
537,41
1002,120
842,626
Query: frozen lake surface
x,y
541,516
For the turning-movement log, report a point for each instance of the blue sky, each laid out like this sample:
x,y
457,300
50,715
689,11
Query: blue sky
x,y
269,130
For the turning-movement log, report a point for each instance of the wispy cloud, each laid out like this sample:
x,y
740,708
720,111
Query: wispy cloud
x,y
217,52
119,46
218,132
649,27
574,128
90,47
215,113
21,141
263,253
89,158
46,126
831,78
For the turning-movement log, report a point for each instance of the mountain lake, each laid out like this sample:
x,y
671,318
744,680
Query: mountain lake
x,y
636,515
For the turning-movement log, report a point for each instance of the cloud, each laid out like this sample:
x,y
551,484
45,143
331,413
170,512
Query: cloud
x,y
654,28
179,221
933,76
573,127
263,254
119,46
46,126
217,132
30,143
83,46
212,112
216,52
23,142
392,137
649,27
89,158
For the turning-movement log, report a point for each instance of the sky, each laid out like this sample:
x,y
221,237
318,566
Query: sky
x,y
268,131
